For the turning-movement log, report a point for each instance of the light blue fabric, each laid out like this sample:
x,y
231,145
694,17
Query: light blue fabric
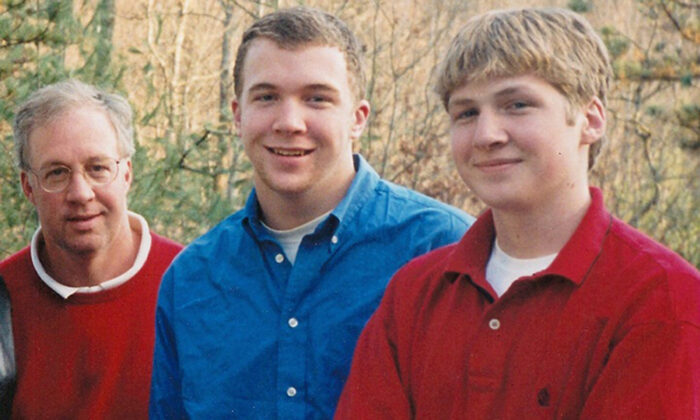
x,y
225,345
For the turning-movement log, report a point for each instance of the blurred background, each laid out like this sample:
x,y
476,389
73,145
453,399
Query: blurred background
x,y
173,60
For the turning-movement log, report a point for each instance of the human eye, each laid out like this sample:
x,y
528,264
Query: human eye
x,y
319,99
100,170
464,114
264,97
55,173
518,104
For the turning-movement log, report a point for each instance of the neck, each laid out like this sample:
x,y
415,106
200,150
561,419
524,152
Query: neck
x,y
91,268
541,231
287,211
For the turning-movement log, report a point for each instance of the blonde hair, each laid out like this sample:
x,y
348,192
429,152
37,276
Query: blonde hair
x,y
554,44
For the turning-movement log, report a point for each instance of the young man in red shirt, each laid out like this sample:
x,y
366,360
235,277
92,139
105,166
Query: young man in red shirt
x,y
549,307
83,293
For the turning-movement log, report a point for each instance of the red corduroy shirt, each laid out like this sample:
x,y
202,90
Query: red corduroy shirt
x,y
610,330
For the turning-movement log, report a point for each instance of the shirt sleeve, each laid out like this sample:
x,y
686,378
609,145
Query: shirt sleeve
x,y
165,400
652,369
653,372
375,389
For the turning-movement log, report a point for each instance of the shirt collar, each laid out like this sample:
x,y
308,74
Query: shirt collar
x,y
573,262
137,222
582,250
361,188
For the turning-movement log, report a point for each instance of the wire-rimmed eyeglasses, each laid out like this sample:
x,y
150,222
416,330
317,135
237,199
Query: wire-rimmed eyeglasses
x,y
97,173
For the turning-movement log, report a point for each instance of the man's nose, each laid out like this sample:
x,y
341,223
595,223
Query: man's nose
x,y
79,188
290,117
489,130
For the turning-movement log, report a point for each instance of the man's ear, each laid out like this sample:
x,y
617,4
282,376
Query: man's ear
x,y
128,173
236,108
593,127
27,187
360,115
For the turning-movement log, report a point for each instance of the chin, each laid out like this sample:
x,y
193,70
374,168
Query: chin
x,y
81,247
287,188
499,200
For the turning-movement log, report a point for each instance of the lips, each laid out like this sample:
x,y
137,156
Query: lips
x,y
495,163
83,222
288,152
81,218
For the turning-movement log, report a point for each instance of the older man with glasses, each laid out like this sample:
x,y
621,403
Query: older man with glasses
x,y
83,293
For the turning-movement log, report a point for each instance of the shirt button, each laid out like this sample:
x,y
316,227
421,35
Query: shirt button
x,y
494,324
279,258
334,239
291,391
293,322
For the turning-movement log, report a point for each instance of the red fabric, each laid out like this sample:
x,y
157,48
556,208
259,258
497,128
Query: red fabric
x,y
610,330
88,356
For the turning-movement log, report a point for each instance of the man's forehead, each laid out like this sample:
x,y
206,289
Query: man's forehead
x,y
497,86
291,45
269,64
270,45
75,134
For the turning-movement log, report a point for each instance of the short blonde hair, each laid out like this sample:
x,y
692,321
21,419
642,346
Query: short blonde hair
x,y
554,44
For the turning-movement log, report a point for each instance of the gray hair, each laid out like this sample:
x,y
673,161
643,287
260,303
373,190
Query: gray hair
x,y
51,101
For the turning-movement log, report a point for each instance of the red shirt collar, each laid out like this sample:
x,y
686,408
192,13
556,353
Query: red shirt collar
x,y
574,261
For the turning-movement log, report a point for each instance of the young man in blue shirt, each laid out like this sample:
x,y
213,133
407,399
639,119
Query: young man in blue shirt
x,y
259,317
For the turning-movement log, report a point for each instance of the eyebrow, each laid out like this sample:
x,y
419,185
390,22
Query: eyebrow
x,y
314,87
92,159
261,86
506,91
321,87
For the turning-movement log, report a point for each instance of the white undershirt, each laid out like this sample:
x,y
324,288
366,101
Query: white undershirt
x,y
137,223
502,269
291,239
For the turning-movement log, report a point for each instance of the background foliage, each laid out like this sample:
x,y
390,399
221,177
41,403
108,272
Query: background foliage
x,y
173,60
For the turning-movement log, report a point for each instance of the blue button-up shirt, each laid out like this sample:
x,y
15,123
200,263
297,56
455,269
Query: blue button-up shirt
x,y
242,333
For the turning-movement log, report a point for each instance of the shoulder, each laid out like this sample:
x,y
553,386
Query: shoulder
x,y
640,250
165,245
17,261
653,273
416,201
413,221
216,241
161,254
16,268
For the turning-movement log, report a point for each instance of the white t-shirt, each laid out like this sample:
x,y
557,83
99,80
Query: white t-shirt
x,y
291,239
502,269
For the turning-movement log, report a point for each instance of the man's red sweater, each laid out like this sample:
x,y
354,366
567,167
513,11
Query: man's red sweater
x,y
88,356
